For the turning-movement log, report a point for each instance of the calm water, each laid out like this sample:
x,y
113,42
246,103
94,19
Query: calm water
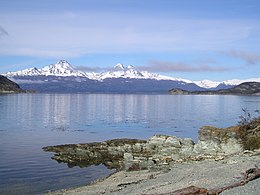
x,y
30,121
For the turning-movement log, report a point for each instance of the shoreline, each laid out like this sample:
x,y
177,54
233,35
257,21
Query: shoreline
x,y
223,158
209,174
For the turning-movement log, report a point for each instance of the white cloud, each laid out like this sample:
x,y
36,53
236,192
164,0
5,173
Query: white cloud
x,y
68,34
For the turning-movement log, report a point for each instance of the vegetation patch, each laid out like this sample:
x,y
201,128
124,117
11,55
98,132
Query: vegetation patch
x,y
249,130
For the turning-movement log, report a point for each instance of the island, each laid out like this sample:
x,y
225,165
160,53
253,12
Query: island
x,y
247,88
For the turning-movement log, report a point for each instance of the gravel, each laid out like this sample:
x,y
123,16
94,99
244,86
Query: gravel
x,y
207,174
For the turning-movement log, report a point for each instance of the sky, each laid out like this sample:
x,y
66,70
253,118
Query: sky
x,y
190,39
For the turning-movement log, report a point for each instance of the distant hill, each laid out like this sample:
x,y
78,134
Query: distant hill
x,y
8,86
247,88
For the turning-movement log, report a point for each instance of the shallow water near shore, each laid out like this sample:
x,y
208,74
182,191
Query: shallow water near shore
x,y
30,121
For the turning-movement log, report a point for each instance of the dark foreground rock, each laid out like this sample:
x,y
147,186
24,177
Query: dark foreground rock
x,y
110,153
8,86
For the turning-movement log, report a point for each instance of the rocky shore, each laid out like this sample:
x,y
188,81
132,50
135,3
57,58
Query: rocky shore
x,y
158,152
178,162
207,174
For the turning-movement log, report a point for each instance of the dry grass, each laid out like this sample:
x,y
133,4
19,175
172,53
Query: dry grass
x,y
249,134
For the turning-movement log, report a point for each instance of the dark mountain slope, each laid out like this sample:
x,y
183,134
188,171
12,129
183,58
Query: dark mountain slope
x,y
110,85
248,88
8,86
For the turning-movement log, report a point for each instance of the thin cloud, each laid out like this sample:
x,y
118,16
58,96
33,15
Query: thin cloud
x,y
167,66
3,32
112,33
92,69
249,57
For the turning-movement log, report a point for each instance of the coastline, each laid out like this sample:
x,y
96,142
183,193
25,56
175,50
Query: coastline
x,y
223,161
209,174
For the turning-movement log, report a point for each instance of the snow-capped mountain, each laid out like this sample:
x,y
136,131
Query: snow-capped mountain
x,y
61,68
120,71
63,76
207,83
130,72
214,84
64,69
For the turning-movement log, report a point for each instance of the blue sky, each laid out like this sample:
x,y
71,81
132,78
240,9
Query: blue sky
x,y
192,39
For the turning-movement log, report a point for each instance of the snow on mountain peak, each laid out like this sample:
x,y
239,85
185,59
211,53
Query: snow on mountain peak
x,y
64,64
119,67
63,68
130,67
25,72
207,83
61,65
213,84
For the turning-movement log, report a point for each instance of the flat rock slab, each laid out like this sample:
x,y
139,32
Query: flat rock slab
x,y
109,153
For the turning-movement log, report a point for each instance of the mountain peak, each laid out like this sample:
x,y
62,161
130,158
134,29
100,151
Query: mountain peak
x,y
130,67
119,67
63,64
61,68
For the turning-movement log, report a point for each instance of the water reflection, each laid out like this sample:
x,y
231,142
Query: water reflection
x,y
31,121
97,112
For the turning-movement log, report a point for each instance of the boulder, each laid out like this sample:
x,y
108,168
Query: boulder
x,y
214,141
172,141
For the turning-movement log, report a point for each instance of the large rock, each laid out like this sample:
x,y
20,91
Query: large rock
x,y
214,141
163,141
187,147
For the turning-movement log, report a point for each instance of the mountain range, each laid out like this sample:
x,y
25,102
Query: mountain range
x,y
63,77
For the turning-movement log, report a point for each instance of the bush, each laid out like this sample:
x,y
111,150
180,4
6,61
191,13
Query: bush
x,y
249,130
